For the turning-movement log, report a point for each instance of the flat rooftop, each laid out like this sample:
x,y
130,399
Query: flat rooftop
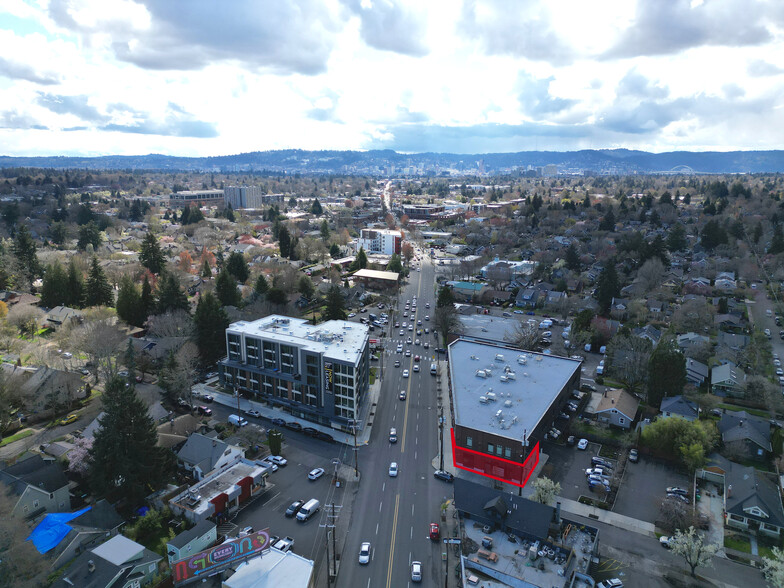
x,y
489,378
339,340
197,498
376,275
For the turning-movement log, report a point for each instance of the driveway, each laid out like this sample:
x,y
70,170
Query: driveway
x,y
643,488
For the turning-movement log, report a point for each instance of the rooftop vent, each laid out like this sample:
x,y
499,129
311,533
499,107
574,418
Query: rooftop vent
x,y
499,357
499,415
481,374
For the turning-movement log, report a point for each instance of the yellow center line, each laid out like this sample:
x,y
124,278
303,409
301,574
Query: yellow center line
x,y
410,376
392,545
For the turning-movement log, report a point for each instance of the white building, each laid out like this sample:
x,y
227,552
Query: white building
x,y
384,241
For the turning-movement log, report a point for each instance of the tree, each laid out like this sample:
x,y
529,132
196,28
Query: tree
x,y
713,235
58,232
98,291
608,221
173,381
238,267
129,303
335,305
666,371
151,255
101,339
305,286
446,321
53,289
277,296
316,208
261,286
74,288
206,271
407,250
20,562
334,251
275,439
126,460
79,456
226,289
627,360
572,258
360,262
211,322
172,323
24,249
445,297
691,546
523,335
651,274
773,568
674,436
89,234
676,239
777,242
171,296
608,287
284,241
545,490
26,318
324,230
395,265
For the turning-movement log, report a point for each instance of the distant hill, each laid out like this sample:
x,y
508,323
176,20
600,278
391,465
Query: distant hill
x,y
619,161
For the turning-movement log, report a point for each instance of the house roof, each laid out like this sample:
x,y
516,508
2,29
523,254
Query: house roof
x,y
524,516
748,490
102,515
739,425
202,451
620,400
727,374
680,405
201,528
34,471
692,365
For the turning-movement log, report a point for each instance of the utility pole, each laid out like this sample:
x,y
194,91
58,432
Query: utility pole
x,y
332,566
329,570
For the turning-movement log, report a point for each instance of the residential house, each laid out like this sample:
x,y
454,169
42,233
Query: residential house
x,y
607,327
177,430
554,299
38,485
201,536
62,315
119,563
745,435
752,501
496,296
648,332
679,407
696,373
617,407
527,298
727,379
99,523
202,455
656,307
728,321
634,290
619,308
156,349
698,285
45,389
725,285
732,341
689,341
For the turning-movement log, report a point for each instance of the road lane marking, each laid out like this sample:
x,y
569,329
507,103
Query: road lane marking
x,y
376,528
380,504
392,545
412,510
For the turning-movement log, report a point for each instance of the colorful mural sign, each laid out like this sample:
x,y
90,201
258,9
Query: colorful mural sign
x,y
212,560
327,376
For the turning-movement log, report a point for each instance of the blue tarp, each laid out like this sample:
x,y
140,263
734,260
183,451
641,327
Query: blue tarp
x,y
53,529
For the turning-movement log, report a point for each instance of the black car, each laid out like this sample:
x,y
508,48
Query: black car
x,y
600,461
310,431
443,475
294,508
279,422
588,388
294,426
325,437
440,350
207,398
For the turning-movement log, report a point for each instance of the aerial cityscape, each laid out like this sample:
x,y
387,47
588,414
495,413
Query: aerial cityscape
x,y
381,294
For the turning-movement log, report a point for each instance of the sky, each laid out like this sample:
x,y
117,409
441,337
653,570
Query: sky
x,y
203,77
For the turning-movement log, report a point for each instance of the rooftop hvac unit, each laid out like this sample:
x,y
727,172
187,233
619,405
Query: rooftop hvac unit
x,y
499,414
525,374
522,360
491,396
499,357
508,404
474,357
511,375
504,379
481,374
538,358
483,400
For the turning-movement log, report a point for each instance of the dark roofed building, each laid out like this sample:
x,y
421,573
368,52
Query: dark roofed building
x,y
678,406
201,536
752,501
40,486
745,435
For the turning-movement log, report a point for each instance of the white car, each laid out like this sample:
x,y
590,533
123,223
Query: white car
x,y
582,444
405,373
352,314
416,367
278,460
416,571
364,553
315,474
393,469
400,348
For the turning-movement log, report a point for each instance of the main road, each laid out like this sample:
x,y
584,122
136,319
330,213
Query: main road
x,y
394,513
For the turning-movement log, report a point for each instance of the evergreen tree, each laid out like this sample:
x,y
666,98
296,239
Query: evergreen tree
x,y
24,250
723,307
89,234
757,233
171,296
58,232
276,296
676,239
185,218
74,287
284,241
261,285
146,302
305,286
293,254
206,271
324,230
316,208
395,264
125,458
129,303
713,235
445,297
608,287
666,372
129,360
211,322
53,291
335,307
98,291
226,289
360,262
238,267
777,242
608,221
334,251
573,258
151,255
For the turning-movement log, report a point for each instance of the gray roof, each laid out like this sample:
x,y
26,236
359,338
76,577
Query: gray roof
x,y
201,528
750,489
526,517
680,405
202,451
114,571
485,326
34,471
102,515
739,425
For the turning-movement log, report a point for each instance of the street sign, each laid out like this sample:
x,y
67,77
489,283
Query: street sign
x,y
452,541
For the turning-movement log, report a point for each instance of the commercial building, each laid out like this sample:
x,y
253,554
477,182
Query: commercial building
x,y
504,400
316,372
197,197
249,197
383,241
422,211
377,280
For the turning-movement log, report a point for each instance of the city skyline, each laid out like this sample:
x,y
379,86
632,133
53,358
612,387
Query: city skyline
x,y
124,77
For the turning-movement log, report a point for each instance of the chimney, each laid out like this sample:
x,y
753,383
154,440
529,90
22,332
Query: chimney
x,y
91,566
558,512
740,424
729,491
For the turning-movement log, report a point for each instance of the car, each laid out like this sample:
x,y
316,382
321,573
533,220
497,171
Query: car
x,y
352,314
363,310
400,348
427,305
416,367
67,355
679,497
364,553
293,425
278,460
269,464
397,325
122,373
779,372
416,571
211,375
279,422
325,437
207,398
393,435
434,532
284,544
777,362
417,342
253,413
408,353
596,472
664,541
419,322
402,332
393,469
310,431
416,358
293,508
138,379
426,345
582,444
601,462
677,490
402,395
69,419
182,402
246,531
593,486
611,583
518,312
633,456
203,410
405,373
84,372
315,473
397,363
410,327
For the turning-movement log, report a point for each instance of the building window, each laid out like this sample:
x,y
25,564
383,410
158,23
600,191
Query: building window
x,y
235,352
469,442
490,448
287,359
621,421
270,360
508,452
498,449
252,351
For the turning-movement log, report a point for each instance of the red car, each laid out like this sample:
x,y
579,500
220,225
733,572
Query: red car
x,y
434,532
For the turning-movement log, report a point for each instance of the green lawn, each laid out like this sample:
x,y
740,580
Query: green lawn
x,y
754,411
738,543
765,551
372,376
16,437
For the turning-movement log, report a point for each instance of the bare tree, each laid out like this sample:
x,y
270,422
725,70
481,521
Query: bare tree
x,y
177,323
446,321
651,274
102,340
26,318
693,315
20,564
627,361
523,335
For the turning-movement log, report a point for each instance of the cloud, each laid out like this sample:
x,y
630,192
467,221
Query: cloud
x,y
76,105
12,119
636,85
22,71
535,99
280,37
511,27
170,127
388,25
760,68
667,27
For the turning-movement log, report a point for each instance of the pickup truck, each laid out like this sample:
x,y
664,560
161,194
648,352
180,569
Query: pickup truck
x,y
284,544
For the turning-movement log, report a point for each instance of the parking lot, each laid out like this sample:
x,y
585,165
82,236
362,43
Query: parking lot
x,y
570,469
643,488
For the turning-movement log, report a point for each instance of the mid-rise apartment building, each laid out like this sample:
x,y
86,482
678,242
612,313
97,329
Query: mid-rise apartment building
x,y
384,241
249,197
316,372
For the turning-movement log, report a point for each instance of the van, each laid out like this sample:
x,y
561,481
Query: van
x,y
372,317
237,420
311,507
433,369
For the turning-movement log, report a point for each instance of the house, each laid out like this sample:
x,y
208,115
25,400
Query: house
x,y
648,332
728,321
752,501
61,315
679,407
527,298
176,431
119,563
656,307
553,299
156,349
202,455
201,536
39,485
467,291
696,373
46,389
727,379
745,435
617,407
690,340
